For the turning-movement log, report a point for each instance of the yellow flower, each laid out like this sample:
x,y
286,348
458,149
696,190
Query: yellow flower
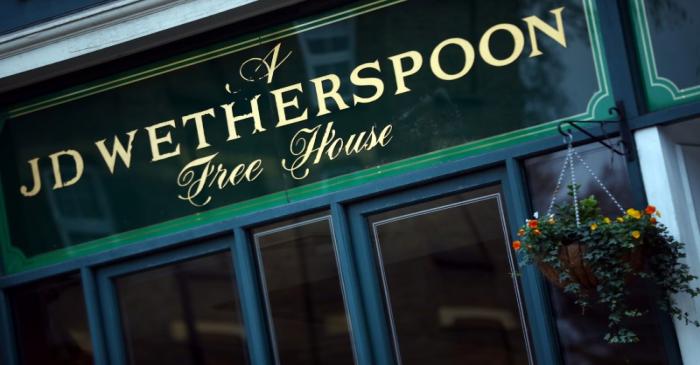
x,y
551,221
606,220
636,234
594,227
634,213
620,219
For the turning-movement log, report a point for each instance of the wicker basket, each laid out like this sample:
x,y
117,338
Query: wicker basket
x,y
571,258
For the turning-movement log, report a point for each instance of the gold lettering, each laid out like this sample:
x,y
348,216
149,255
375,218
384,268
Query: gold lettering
x,y
375,82
79,167
399,72
303,148
270,67
328,137
117,149
34,164
199,125
231,119
195,182
199,174
304,145
385,135
518,44
556,34
157,141
282,105
468,58
322,95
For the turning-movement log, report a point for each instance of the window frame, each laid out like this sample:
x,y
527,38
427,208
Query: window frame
x,y
540,338
107,291
257,248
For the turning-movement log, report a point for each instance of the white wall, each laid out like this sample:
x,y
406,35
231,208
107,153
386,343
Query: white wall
x,y
670,162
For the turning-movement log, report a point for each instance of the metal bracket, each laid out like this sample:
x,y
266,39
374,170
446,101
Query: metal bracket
x,y
624,135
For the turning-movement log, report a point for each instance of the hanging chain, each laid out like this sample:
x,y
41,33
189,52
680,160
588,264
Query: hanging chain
x,y
569,162
573,185
600,183
559,180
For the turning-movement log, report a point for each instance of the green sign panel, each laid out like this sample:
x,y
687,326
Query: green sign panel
x,y
371,90
668,48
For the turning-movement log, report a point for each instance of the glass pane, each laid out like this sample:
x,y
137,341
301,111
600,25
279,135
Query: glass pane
x,y
306,306
673,30
668,49
51,322
184,313
581,336
449,281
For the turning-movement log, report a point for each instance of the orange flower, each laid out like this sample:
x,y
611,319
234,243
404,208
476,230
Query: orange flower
x,y
521,232
635,234
536,232
516,245
532,223
652,220
650,209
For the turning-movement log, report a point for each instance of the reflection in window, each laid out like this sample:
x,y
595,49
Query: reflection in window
x,y
672,28
51,323
449,281
331,50
184,313
84,212
305,299
581,336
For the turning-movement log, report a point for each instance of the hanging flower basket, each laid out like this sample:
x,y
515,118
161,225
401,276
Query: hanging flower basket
x,y
573,263
595,257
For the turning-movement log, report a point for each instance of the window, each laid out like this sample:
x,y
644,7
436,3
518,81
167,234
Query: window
x,y
51,323
304,295
450,281
183,313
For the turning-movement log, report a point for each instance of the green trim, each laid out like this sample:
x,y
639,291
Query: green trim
x,y
660,91
596,108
